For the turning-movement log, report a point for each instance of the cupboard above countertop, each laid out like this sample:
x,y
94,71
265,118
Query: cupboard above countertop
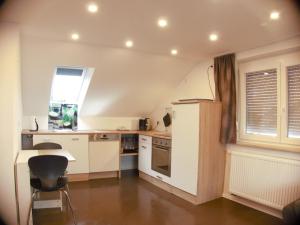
x,y
88,132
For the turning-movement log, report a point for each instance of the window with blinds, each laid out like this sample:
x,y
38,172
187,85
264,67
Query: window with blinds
x,y
261,102
293,73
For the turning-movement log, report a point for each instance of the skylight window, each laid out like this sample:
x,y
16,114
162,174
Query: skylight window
x,y
70,85
68,91
67,84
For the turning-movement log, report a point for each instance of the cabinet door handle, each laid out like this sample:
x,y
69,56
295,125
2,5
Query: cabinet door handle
x,y
144,147
75,139
159,177
144,139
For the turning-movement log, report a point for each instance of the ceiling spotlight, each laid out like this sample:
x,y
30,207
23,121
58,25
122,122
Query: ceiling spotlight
x,y
274,15
75,36
213,37
129,43
92,7
174,51
162,23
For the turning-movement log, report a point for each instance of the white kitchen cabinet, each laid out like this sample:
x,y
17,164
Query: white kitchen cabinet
x,y
145,154
104,156
198,157
185,147
77,145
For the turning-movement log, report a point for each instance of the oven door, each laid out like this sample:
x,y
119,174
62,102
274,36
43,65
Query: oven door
x,y
161,160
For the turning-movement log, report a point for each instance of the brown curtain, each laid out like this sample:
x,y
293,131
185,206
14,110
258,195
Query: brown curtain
x,y
224,72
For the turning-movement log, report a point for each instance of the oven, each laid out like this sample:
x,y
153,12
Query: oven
x,y
161,156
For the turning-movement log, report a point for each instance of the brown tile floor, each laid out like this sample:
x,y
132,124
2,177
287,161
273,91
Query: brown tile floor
x,y
132,201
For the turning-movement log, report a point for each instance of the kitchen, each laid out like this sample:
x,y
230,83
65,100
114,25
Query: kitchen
x,y
132,92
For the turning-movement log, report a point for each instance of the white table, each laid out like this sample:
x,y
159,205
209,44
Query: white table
x,y
22,178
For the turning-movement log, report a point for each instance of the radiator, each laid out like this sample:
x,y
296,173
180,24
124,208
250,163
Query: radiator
x,y
271,181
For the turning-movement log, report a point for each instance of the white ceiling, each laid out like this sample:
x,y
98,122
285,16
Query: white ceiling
x,y
241,24
133,82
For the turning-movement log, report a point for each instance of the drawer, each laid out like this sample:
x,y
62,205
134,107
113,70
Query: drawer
x,y
145,146
145,139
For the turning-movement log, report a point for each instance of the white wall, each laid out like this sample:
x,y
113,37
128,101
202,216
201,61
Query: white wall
x,y
194,85
10,117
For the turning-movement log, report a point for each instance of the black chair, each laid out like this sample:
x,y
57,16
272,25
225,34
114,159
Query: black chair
x,y
49,173
47,145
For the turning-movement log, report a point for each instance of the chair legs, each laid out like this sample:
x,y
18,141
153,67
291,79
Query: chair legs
x,y
69,202
30,206
66,192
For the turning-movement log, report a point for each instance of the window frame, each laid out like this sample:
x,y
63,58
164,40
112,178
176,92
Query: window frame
x,y
283,59
252,67
82,77
87,75
290,61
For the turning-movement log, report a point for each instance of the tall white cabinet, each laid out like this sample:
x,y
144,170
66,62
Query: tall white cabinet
x,y
198,158
185,147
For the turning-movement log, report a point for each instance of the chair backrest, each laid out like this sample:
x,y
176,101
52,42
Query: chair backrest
x,y
48,168
47,145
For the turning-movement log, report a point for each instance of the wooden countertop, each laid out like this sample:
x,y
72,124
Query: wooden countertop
x,y
158,134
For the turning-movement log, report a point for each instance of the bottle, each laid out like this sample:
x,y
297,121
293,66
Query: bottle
x,y
74,121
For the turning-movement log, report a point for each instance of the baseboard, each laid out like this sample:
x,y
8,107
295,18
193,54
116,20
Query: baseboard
x,y
101,175
78,177
254,205
92,176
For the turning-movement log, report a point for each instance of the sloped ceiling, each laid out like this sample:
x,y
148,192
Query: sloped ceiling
x,y
132,82
125,82
241,24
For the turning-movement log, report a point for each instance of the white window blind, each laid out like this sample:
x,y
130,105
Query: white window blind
x,y
293,73
261,102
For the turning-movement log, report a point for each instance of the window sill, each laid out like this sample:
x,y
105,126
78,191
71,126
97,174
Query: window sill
x,y
272,146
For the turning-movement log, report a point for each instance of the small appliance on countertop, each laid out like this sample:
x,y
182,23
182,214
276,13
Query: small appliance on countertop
x,y
145,124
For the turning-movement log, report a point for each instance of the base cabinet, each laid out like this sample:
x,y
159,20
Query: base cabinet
x,y
104,156
77,145
145,154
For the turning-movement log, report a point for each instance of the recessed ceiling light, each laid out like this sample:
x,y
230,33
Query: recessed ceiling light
x,y
75,36
174,51
92,7
274,15
129,43
213,37
162,22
